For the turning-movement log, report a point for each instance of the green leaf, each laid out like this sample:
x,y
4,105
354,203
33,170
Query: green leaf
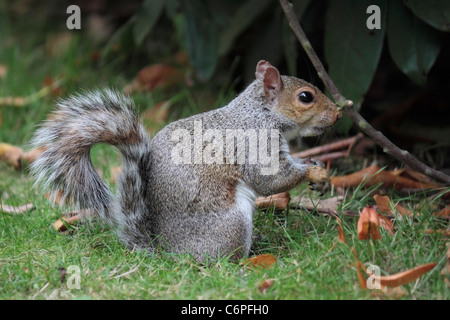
x,y
414,45
201,37
352,51
146,18
243,18
434,12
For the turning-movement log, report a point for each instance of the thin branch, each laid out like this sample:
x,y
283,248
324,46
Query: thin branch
x,y
333,146
347,105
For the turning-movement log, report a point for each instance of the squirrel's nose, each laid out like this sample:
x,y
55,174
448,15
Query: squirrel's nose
x,y
338,115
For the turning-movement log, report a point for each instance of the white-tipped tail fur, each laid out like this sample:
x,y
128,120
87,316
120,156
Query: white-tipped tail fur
x,y
78,123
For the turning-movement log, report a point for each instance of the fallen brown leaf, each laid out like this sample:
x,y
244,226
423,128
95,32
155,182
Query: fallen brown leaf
x,y
280,201
361,279
405,277
60,224
341,236
383,204
443,213
387,224
373,175
265,285
153,77
16,210
329,205
363,225
368,224
412,174
374,223
11,155
263,260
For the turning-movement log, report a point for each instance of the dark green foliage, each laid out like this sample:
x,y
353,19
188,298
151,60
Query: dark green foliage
x,y
210,31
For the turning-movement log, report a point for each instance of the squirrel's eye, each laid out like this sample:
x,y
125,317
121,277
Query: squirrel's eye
x,y
306,97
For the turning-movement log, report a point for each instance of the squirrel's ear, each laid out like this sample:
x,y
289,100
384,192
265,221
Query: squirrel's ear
x,y
261,69
272,82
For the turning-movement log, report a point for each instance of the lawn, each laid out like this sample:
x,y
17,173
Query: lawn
x,y
36,260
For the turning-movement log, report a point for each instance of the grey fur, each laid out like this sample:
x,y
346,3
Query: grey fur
x,y
201,209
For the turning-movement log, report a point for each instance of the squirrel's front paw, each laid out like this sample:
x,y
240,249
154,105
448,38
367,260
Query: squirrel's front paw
x,y
318,179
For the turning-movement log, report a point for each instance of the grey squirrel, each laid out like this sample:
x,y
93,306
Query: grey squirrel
x,y
190,189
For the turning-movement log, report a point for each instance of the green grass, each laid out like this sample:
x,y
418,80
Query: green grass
x,y
32,253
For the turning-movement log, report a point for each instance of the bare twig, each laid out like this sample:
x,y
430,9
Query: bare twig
x,y
333,146
347,105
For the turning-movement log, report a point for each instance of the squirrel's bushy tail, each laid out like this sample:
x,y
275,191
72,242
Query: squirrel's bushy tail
x,y
80,122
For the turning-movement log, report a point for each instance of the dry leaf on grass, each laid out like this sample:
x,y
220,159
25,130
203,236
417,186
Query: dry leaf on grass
x,y
61,224
405,277
16,210
373,175
414,175
361,278
11,155
443,213
263,260
265,285
329,205
383,204
368,224
394,280
387,224
341,235
15,156
280,201
369,215
153,77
